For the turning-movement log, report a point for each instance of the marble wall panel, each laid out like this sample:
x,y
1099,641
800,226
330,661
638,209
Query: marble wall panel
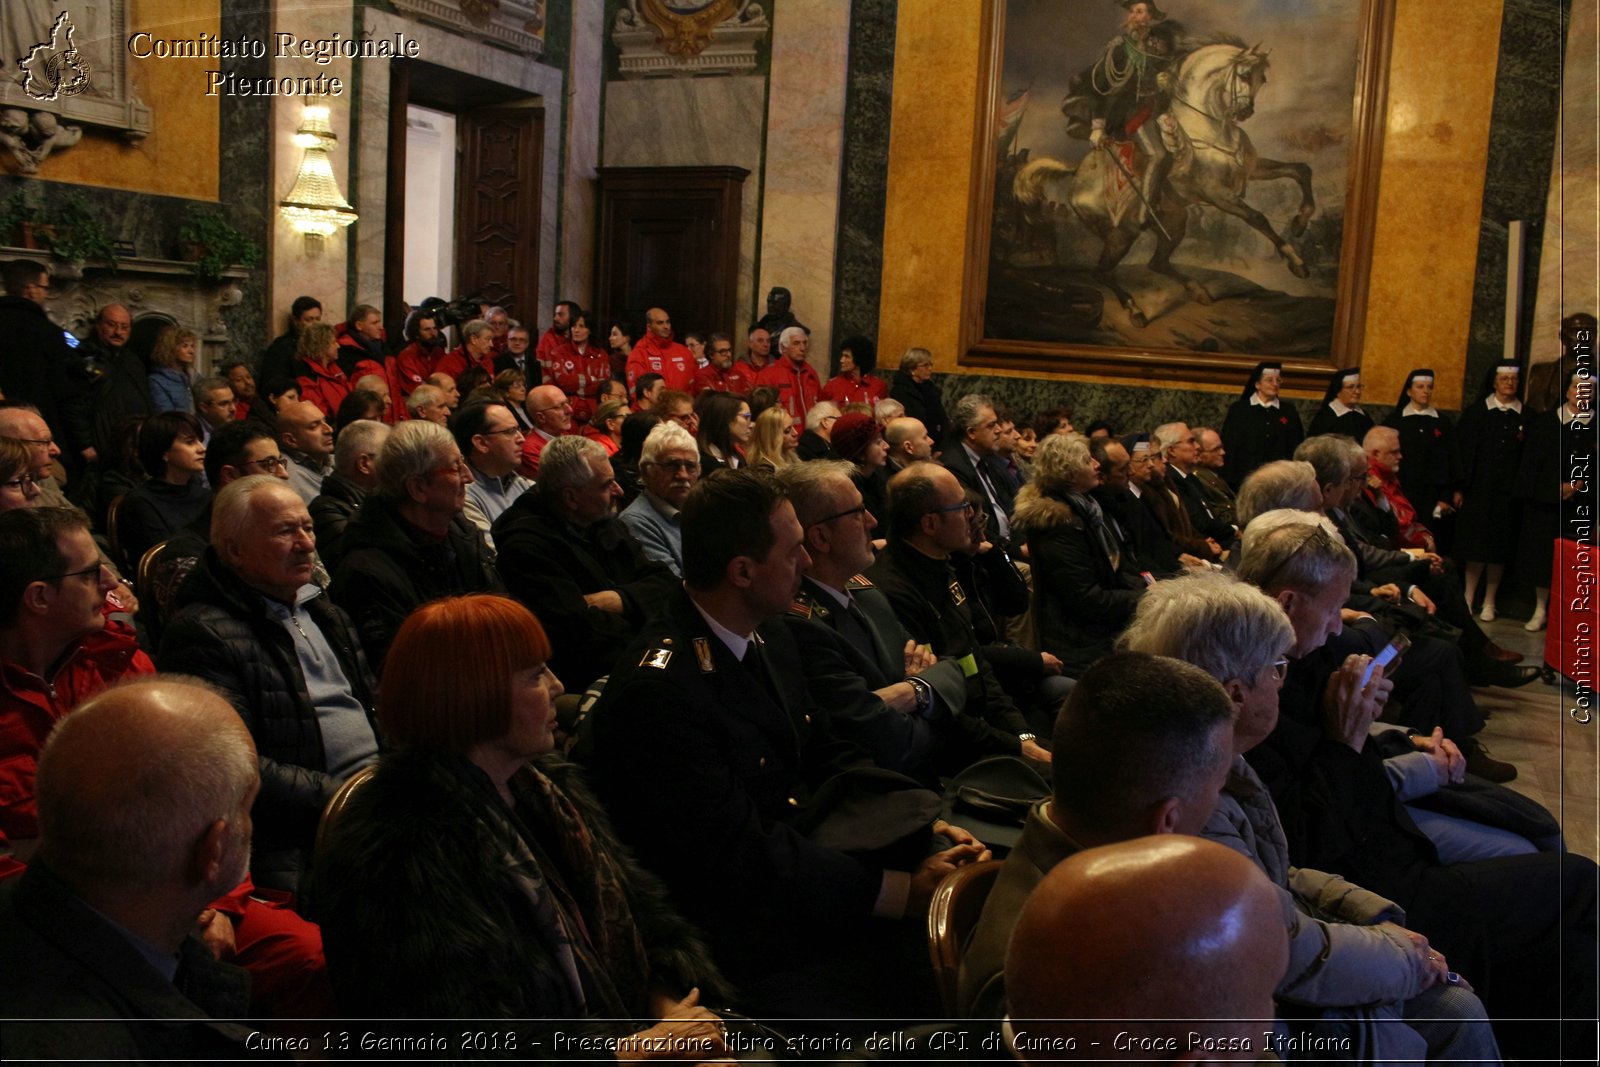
x,y
805,140
694,122
583,152
858,271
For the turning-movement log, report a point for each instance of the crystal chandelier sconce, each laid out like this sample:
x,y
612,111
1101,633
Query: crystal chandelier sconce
x,y
315,207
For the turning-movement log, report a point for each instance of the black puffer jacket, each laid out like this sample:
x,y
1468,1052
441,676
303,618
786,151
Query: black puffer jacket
x,y
331,513
388,569
221,632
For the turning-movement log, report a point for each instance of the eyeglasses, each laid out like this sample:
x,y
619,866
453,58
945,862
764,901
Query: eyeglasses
x,y
965,505
21,484
675,465
1280,668
862,510
94,570
496,433
271,463
828,420
745,415
42,442
460,467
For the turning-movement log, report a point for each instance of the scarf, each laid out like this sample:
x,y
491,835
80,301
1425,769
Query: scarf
x,y
1089,508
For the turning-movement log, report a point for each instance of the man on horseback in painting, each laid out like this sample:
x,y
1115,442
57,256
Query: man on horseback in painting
x,y
1127,91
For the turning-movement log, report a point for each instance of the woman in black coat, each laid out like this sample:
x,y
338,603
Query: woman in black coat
x,y
1430,468
1544,485
171,453
1341,407
1085,587
1491,452
913,387
1259,427
475,877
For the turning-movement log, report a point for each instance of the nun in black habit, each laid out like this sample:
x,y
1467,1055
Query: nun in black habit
x,y
1341,407
1260,427
1546,485
1491,452
1430,469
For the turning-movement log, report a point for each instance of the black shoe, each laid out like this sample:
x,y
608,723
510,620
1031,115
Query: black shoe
x,y
1505,675
1480,763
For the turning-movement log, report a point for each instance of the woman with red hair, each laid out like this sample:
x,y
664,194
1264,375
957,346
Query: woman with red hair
x,y
475,877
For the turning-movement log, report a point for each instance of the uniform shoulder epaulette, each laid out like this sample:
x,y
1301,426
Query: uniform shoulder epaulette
x,y
860,581
803,605
658,655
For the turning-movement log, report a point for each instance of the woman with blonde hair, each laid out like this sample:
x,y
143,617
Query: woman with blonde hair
x,y
172,369
775,439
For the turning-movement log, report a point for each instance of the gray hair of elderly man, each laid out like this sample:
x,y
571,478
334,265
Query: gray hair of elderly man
x,y
1227,628
789,334
474,327
664,437
1333,456
421,395
810,487
233,511
415,449
968,411
888,409
566,463
1166,435
1282,550
1283,483
364,437
822,409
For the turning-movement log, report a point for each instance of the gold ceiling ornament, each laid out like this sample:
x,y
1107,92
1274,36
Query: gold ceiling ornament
x,y
685,26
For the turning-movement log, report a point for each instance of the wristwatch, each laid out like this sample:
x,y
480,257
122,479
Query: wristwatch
x,y
924,693
1027,737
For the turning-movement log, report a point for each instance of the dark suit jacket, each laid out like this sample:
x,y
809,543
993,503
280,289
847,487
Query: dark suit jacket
x,y
532,373
550,568
957,462
61,962
844,665
708,773
1193,496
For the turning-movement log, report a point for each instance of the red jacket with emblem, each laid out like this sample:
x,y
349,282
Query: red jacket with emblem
x,y
667,358
798,388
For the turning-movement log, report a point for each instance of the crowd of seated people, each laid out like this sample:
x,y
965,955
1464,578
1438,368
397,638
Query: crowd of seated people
x,y
654,688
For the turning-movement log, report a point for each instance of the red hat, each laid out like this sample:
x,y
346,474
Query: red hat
x,y
853,433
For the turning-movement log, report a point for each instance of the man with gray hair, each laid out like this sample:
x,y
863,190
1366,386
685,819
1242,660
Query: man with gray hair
x,y
885,692
1350,956
1283,483
795,380
213,404
565,556
427,403
970,454
476,350
355,472
669,466
410,542
816,440
144,797
489,437
1181,447
1524,927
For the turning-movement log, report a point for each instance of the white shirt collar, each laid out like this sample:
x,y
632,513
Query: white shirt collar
x,y
1567,415
1133,487
1342,409
1411,409
841,595
1493,403
1257,402
735,643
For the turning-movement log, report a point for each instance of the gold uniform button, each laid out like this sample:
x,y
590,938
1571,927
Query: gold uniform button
x,y
763,762
793,803
808,720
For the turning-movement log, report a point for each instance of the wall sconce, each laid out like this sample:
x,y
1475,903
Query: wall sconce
x,y
315,207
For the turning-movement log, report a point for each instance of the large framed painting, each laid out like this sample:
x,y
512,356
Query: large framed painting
x,y
1175,190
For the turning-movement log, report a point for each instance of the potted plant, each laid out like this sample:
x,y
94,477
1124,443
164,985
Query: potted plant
x,y
214,244
22,222
76,236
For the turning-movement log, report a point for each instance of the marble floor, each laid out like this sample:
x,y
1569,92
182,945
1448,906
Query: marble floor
x,y
1556,757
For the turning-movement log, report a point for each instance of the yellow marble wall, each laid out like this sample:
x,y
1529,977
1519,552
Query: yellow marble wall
x,y
179,156
1441,87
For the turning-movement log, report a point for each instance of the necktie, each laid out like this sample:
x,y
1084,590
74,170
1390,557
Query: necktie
x,y
1000,517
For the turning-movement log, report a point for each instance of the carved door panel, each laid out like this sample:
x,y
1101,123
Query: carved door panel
x,y
669,237
497,216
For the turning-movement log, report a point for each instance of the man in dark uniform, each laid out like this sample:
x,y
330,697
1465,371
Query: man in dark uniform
x,y
715,767
927,522
883,691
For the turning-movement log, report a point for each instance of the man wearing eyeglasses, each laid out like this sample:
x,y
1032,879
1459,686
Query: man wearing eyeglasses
x,y
22,422
551,414
669,466
491,441
56,646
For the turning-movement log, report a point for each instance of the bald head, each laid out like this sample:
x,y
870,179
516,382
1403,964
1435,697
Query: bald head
x,y
908,440
1157,928
148,786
